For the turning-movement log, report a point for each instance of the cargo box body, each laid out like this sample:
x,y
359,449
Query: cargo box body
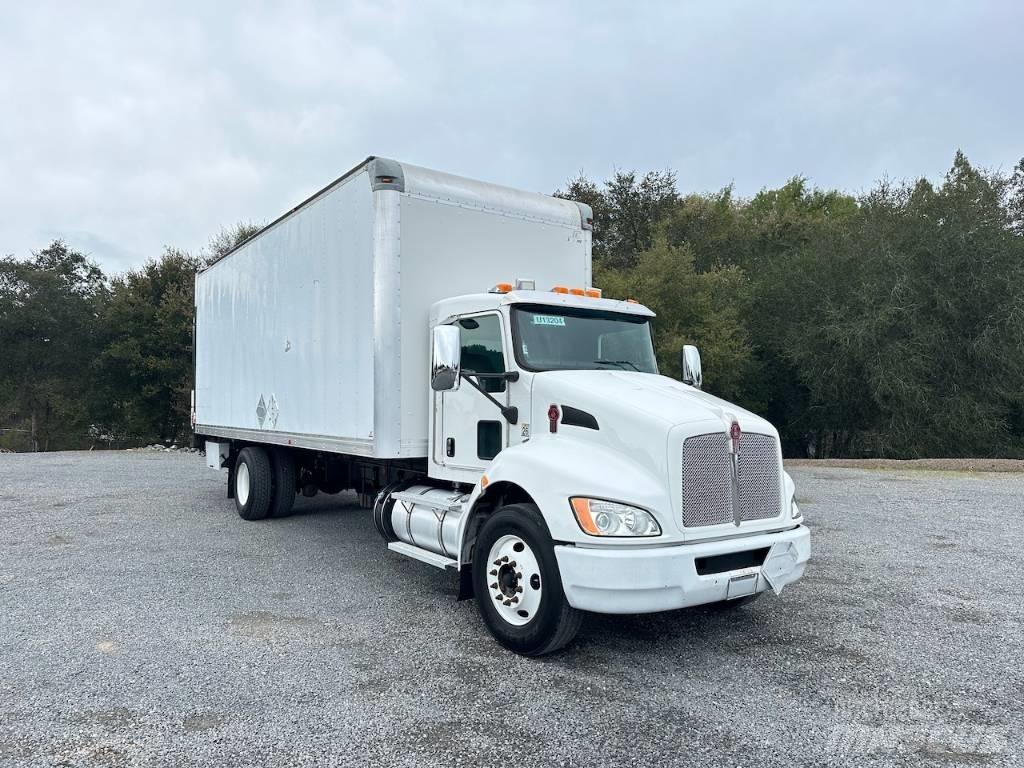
x,y
314,332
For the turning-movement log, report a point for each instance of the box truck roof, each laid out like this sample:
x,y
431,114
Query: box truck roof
x,y
413,180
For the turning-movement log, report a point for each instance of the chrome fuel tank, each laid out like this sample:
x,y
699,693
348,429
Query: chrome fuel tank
x,y
428,517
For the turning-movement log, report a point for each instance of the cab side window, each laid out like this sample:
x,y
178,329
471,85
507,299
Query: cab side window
x,y
482,349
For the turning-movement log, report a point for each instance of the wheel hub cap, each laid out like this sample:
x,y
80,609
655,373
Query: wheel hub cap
x,y
514,582
242,484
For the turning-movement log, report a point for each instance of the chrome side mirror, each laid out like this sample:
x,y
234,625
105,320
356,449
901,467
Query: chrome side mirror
x,y
689,365
445,358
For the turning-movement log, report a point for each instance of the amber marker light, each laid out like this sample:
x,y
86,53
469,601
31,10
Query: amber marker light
x,y
581,508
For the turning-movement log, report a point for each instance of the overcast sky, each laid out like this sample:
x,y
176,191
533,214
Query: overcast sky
x,y
125,129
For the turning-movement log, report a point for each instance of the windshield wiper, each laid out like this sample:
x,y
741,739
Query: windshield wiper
x,y
621,364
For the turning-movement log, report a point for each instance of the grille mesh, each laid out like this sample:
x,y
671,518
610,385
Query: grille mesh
x,y
707,479
759,478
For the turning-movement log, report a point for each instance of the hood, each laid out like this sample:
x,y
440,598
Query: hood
x,y
613,395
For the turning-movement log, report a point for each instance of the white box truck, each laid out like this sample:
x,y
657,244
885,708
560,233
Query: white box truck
x,y
434,343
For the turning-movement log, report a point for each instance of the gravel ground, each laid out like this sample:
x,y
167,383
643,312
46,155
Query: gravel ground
x,y
143,623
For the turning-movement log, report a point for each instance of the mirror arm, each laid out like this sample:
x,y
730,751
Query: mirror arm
x,y
510,412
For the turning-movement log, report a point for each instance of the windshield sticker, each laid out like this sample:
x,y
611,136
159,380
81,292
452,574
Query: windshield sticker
x,y
548,320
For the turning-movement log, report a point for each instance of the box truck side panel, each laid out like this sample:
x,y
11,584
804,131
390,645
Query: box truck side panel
x,y
284,329
458,237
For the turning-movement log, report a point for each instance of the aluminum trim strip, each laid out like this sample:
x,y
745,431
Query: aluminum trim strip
x,y
355,447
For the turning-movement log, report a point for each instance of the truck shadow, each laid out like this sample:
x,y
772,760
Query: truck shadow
x,y
325,503
747,632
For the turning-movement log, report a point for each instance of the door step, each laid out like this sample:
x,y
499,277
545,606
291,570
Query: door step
x,y
423,555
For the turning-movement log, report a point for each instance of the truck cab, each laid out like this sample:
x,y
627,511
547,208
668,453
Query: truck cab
x,y
569,475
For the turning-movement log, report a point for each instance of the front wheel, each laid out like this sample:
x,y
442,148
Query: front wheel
x,y
517,583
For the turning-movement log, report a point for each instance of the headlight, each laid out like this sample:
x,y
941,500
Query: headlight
x,y
609,518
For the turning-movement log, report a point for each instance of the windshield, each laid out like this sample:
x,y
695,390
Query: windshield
x,y
550,338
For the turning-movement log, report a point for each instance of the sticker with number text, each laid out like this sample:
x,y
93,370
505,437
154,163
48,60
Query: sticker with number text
x,y
548,320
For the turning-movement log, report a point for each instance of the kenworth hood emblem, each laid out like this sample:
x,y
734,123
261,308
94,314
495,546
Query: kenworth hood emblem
x,y
734,435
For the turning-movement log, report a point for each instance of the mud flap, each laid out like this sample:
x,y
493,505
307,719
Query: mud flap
x,y
466,582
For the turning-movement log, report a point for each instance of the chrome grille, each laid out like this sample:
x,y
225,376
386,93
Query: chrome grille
x,y
758,471
707,480
707,497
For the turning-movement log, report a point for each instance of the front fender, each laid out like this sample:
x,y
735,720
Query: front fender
x,y
552,469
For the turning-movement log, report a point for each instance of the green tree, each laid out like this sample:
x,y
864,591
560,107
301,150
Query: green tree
x,y
904,322
627,212
48,310
147,358
229,238
692,307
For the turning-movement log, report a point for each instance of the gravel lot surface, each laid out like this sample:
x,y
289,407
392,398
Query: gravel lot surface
x,y
143,623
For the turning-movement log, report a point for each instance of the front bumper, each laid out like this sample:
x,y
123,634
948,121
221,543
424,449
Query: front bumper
x,y
645,580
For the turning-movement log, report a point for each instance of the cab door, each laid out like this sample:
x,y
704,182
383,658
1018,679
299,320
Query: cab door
x,y
473,430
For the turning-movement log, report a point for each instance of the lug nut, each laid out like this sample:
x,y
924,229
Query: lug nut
x,y
508,602
492,573
519,589
504,559
494,585
512,564
514,599
497,562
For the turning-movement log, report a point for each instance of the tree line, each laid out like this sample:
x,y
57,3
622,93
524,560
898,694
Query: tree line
x,y
97,361
888,323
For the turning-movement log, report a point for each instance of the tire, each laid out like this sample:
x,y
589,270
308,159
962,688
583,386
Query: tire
x,y
540,620
732,605
283,478
253,483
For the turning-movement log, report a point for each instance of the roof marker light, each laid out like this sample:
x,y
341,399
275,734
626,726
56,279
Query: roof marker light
x,y
559,289
594,293
577,292
501,288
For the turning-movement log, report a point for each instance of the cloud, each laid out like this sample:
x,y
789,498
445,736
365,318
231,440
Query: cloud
x,y
128,128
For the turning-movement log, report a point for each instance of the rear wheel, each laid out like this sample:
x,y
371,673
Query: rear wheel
x,y
517,583
253,483
283,471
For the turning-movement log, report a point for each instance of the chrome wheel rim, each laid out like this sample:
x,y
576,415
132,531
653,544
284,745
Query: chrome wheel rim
x,y
242,484
514,584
